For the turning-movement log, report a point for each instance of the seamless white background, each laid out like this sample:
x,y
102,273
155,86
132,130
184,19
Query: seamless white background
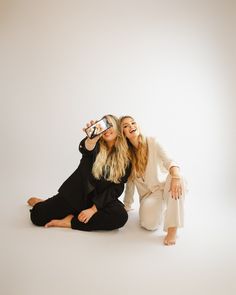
x,y
170,64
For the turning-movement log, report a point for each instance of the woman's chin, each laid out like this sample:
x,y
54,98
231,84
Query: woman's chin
x,y
132,136
109,138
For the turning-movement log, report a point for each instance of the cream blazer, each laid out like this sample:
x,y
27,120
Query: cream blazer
x,y
158,166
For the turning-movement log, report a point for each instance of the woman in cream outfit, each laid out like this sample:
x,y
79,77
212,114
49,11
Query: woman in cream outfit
x,y
159,197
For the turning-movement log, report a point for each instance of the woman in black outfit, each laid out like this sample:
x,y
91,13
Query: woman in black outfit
x,y
88,199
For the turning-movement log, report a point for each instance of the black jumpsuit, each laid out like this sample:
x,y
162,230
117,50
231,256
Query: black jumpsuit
x,y
79,192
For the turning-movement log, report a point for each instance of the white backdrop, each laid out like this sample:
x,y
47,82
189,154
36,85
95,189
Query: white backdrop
x,y
170,65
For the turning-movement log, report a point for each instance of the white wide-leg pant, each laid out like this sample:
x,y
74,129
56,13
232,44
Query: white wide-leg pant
x,y
160,206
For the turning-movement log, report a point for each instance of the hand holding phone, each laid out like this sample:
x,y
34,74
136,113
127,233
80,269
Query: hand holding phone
x,y
97,128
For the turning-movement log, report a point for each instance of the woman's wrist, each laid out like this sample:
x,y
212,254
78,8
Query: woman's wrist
x,y
175,172
90,144
94,209
175,176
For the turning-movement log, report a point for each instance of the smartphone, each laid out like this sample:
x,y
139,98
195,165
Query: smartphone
x,y
98,128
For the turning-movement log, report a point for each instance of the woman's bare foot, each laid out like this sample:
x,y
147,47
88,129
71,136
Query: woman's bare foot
x,y
170,238
65,222
32,201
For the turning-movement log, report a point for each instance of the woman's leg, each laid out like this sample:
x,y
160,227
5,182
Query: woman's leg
x,y
52,208
111,217
151,210
174,213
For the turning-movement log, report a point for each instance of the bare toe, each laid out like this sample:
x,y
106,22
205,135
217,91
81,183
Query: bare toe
x,y
170,238
169,242
33,200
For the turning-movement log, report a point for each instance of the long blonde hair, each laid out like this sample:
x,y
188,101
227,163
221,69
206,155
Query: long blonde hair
x,y
138,156
112,164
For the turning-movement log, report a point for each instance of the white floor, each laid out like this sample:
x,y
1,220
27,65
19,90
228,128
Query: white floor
x,y
127,261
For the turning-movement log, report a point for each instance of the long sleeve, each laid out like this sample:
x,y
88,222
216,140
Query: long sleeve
x,y
129,194
86,152
166,162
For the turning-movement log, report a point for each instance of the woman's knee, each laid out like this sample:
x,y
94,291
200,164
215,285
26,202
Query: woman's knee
x,y
150,213
120,218
123,218
36,216
149,224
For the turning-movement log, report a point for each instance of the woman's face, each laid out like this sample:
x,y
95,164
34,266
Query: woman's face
x,y
111,134
130,128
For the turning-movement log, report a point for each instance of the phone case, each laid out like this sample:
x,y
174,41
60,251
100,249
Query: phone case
x,y
98,128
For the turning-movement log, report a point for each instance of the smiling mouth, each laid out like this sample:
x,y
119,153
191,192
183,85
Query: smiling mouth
x,y
132,131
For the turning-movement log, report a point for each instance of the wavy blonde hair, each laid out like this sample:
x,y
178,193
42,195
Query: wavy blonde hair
x,y
112,164
138,156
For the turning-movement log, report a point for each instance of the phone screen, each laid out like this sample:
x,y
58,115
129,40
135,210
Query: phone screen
x,y
98,128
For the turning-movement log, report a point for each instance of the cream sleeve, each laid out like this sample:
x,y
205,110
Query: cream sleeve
x,y
129,194
165,160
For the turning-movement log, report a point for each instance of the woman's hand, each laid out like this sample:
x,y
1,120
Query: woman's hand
x,y
91,142
176,188
86,214
97,129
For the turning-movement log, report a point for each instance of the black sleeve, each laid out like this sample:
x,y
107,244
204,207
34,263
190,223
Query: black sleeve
x,y
83,149
111,193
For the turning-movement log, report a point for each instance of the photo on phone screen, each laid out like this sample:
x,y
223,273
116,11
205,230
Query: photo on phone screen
x,y
98,128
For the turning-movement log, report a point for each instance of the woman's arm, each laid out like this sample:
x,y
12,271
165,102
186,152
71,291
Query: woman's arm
x,y
91,143
176,188
129,195
86,214
175,172
88,144
86,147
165,160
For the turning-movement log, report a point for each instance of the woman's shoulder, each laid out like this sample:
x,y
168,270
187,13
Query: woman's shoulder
x,y
151,141
154,144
